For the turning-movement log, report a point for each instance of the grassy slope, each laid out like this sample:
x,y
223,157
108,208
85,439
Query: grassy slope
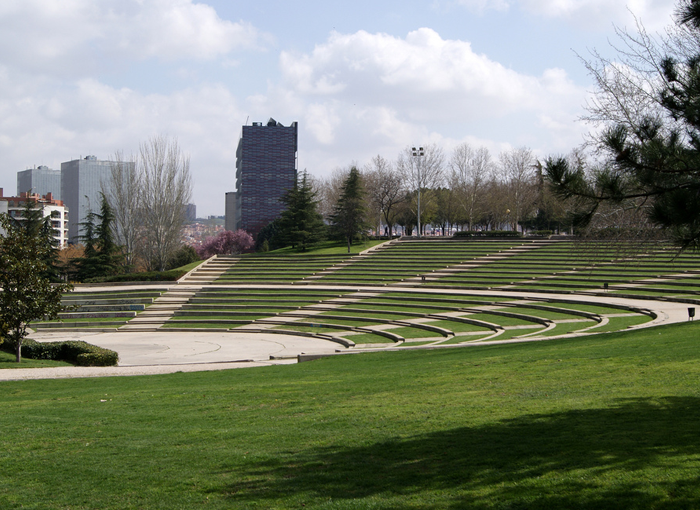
x,y
324,248
611,421
8,360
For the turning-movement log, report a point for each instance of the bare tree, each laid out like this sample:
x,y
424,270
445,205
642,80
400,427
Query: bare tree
x,y
328,190
385,189
165,190
123,192
518,172
628,87
470,170
422,171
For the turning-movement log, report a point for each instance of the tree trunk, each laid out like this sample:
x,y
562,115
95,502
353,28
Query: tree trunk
x,y
18,350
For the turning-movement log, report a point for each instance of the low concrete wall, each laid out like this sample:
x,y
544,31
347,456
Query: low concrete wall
x,y
96,315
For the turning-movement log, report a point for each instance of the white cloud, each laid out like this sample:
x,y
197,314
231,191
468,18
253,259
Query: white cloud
x,y
423,77
322,122
655,14
65,36
360,94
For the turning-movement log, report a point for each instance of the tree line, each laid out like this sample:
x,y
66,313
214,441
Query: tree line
x,y
469,190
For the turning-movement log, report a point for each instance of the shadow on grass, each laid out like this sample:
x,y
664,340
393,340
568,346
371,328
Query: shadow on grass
x,y
635,455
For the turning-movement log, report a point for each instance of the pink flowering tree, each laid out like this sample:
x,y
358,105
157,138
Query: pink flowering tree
x,y
226,243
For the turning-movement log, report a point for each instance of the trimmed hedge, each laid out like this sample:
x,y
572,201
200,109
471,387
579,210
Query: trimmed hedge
x,y
149,276
487,233
77,352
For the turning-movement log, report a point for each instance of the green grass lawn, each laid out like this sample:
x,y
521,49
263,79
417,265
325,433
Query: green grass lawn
x,y
592,308
409,332
501,319
610,421
618,323
368,338
562,328
456,326
8,360
325,248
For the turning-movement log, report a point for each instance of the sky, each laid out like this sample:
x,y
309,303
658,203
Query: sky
x,y
362,78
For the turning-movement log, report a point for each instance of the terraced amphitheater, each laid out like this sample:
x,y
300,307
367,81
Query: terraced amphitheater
x,y
403,294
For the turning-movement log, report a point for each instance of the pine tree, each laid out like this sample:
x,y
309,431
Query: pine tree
x,y
655,160
36,225
301,225
102,257
348,219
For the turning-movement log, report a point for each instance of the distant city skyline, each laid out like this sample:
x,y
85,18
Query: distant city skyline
x,y
362,78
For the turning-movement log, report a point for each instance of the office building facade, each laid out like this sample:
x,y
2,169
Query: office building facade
x,y
82,181
266,167
40,181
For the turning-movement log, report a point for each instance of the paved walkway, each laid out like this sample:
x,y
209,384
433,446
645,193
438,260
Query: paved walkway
x,y
159,352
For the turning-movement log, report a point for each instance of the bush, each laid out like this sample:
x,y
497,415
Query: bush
x,y
226,243
487,233
105,358
185,255
541,233
149,276
76,352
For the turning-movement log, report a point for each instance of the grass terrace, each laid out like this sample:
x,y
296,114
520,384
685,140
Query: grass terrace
x,y
275,269
409,260
105,309
407,315
576,266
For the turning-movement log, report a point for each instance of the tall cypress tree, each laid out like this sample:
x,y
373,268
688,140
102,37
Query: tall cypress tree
x,y
348,220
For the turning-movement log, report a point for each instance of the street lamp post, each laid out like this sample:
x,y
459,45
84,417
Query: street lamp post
x,y
418,153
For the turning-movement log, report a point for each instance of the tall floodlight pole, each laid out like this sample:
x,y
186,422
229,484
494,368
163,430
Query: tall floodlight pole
x,y
418,153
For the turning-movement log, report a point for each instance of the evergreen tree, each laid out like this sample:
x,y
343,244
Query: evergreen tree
x,y
269,234
33,222
102,257
111,257
301,225
27,293
655,160
348,218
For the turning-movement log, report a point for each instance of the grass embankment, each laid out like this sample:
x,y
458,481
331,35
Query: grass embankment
x,y
324,248
8,360
611,421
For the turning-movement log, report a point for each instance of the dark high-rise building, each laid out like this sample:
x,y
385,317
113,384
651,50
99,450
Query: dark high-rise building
x,y
266,167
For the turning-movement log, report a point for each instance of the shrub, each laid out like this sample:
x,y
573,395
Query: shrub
x,y
105,358
149,276
542,233
487,233
185,255
226,243
76,352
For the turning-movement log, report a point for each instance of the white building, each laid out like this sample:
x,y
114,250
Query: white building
x,y
50,207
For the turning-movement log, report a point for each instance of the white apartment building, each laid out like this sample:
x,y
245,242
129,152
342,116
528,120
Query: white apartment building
x,y
50,207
